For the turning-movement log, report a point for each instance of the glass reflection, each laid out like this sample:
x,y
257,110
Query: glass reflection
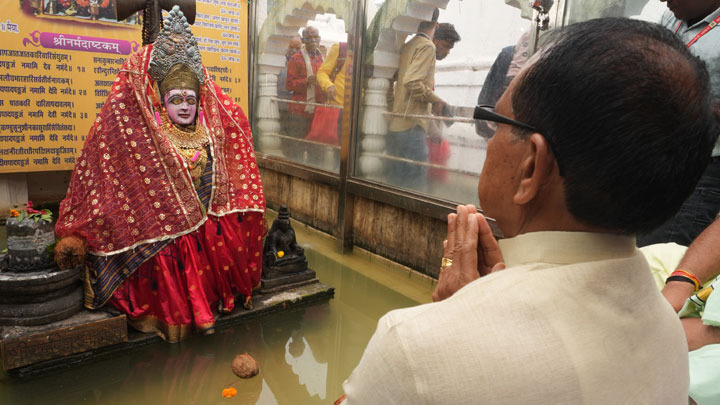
x,y
415,131
302,61
577,10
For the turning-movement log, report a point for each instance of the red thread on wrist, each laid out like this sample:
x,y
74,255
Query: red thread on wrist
x,y
688,275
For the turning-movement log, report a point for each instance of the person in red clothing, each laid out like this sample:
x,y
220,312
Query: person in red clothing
x,y
302,82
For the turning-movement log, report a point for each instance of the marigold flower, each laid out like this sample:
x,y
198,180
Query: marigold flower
x,y
14,213
281,253
229,392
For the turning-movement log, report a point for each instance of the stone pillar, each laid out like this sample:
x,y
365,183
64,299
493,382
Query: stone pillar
x,y
268,124
374,128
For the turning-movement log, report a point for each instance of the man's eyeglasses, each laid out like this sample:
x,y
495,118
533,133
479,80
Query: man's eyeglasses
x,y
487,113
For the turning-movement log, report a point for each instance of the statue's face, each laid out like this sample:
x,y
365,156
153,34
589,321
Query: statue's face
x,y
284,224
181,105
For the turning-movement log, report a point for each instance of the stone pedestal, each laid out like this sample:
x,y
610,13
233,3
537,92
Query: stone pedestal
x,y
31,298
276,281
89,335
22,346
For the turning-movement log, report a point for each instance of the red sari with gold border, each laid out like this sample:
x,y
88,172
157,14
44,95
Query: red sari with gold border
x,y
163,252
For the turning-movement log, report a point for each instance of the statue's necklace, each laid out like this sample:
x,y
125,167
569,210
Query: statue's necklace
x,y
192,146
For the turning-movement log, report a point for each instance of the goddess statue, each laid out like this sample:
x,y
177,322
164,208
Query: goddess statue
x,y
165,203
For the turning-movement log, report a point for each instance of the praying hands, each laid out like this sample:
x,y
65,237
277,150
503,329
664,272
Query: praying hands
x,y
469,252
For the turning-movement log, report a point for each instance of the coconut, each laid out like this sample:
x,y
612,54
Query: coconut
x,y
245,366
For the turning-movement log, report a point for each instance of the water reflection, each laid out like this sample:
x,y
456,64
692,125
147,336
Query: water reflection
x,y
312,374
304,355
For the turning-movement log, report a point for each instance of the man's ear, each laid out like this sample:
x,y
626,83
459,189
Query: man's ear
x,y
535,169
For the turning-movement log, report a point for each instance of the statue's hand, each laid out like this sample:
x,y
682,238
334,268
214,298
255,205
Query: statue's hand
x,y
70,252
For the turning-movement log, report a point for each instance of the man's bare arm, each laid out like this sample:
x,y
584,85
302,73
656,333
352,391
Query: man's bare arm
x,y
701,259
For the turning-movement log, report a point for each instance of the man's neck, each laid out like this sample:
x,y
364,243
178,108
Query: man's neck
x,y
549,212
425,34
711,9
314,52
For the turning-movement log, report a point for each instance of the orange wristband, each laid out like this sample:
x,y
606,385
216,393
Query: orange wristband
x,y
688,275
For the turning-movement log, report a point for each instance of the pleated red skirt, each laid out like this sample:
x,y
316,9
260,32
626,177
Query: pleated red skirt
x,y
199,275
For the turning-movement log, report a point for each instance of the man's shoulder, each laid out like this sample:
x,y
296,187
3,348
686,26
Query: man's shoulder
x,y
296,58
484,292
419,42
299,58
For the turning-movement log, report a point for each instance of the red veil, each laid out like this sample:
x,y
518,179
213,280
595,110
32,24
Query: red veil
x,y
130,187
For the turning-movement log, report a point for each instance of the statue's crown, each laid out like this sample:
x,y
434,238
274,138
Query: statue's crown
x,y
175,44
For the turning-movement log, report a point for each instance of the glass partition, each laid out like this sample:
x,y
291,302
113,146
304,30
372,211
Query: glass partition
x,y
412,121
415,130
414,127
301,85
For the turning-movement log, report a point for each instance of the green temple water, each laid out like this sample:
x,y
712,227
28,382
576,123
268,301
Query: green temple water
x,y
304,354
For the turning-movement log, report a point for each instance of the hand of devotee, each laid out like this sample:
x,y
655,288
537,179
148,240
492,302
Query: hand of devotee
x,y
69,252
330,93
435,132
438,108
471,250
311,80
698,334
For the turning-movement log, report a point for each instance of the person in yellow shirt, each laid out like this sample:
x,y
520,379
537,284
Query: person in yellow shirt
x,y
331,78
331,74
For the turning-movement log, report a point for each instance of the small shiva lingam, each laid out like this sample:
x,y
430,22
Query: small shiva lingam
x,y
281,253
33,290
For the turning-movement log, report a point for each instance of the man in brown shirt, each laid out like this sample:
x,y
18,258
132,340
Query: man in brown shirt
x,y
414,95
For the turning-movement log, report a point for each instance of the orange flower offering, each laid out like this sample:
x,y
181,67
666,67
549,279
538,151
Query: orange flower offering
x,y
14,213
229,392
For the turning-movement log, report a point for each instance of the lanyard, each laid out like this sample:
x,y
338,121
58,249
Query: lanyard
x,y
705,30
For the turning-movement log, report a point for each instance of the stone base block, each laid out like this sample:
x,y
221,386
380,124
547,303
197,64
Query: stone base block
x,y
276,281
21,346
40,313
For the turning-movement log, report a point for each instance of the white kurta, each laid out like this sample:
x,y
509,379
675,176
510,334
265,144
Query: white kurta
x,y
575,318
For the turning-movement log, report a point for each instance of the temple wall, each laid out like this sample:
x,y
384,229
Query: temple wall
x,y
312,203
401,235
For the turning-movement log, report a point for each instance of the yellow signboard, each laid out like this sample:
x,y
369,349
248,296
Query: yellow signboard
x,y
58,59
